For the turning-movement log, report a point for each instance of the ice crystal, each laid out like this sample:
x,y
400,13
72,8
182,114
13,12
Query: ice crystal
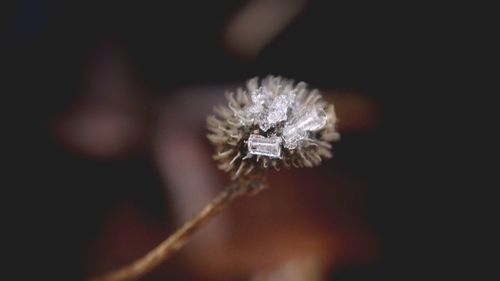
x,y
259,145
272,123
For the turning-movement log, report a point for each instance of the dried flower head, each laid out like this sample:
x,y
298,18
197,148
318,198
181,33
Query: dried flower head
x,y
272,124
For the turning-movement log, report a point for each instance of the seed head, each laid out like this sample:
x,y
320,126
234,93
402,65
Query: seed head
x,y
274,123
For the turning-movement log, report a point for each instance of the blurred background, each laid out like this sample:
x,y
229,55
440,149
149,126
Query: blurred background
x,y
109,100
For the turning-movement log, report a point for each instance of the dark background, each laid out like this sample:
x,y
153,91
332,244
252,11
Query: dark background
x,y
398,56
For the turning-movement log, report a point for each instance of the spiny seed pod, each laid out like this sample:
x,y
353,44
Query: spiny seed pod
x,y
272,124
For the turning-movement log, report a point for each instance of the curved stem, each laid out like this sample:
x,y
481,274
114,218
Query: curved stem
x,y
174,242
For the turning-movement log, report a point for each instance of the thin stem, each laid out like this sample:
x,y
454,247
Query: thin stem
x,y
174,242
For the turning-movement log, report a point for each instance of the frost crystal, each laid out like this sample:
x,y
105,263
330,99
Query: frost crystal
x,y
272,123
259,145
278,109
297,130
277,105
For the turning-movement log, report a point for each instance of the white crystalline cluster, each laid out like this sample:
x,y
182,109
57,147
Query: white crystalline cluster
x,y
289,113
277,111
266,108
272,123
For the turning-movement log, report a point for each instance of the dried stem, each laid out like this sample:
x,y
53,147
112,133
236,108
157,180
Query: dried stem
x,y
143,265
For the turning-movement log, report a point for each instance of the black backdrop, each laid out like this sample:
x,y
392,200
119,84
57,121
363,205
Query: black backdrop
x,y
399,54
